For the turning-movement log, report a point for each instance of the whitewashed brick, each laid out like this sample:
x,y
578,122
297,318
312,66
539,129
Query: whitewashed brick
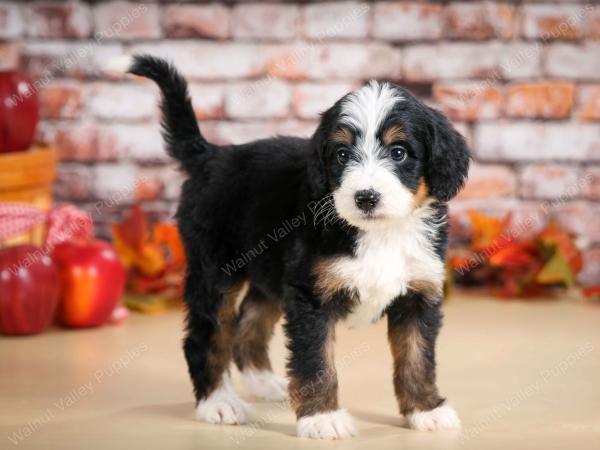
x,y
408,21
552,21
129,102
590,273
115,182
47,60
491,181
310,99
581,218
11,20
9,56
272,100
183,20
491,61
574,61
548,181
126,20
142,143
264,21
59,19
202,60
335,61
208,100
529,141
336,20
479,20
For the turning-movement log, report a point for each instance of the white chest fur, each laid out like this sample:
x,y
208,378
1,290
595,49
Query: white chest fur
x,y
385,263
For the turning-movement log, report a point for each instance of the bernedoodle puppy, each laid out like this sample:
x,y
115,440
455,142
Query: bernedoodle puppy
x,y
349,225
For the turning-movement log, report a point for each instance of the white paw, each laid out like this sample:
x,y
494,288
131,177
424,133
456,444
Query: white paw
x,y
265,384
443,417
224,406
330,425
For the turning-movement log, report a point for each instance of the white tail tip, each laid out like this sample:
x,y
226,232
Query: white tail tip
x,y
118,65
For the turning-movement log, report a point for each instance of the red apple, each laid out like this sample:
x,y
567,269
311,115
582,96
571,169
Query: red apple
x,y
19,112
92,282
28,290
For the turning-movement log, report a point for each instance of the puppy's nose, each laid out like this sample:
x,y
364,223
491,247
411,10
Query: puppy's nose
x,y
367,199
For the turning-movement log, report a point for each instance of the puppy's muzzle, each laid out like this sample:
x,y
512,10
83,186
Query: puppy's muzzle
x,y
367,200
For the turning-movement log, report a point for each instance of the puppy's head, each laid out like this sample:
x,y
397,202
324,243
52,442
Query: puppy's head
x,y
381,153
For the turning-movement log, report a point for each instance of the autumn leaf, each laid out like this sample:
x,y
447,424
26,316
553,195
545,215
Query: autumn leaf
x,y
133,231
561,241
486,229
592,292
150,304
516,267
167,234
127,254
155,258
134,246
151,259
556,270
519,281
514,254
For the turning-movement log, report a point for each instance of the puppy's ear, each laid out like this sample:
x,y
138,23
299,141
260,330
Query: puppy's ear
x,y
449,157
317,168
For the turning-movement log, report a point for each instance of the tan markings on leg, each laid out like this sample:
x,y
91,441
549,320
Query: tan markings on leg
x,y
319,394
240,295
432,292
219,354
421,194
254,332
328,282
414,382
342,136
393,134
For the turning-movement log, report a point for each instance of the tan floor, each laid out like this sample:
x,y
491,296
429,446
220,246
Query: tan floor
x,y
521,375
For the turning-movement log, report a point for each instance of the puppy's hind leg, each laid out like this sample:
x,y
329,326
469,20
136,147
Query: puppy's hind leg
x,y
208,349
257,318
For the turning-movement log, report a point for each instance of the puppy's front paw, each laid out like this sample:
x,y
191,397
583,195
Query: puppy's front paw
x,y
265,384
443,417
330,425
224,406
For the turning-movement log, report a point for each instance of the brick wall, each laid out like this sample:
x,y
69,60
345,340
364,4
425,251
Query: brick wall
x,y
520,79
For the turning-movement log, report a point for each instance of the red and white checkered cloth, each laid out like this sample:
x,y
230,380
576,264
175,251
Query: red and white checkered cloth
x,y
17,218
65,222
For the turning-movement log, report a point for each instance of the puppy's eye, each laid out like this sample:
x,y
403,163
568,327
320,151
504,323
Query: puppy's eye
x,y
343,155
398,153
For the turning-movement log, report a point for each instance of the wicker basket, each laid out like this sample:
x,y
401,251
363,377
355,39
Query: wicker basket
x,y
27,177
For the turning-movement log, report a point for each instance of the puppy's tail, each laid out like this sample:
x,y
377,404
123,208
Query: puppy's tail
x,y
180,129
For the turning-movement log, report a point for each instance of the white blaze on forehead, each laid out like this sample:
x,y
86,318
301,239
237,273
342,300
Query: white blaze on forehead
x,y
365,110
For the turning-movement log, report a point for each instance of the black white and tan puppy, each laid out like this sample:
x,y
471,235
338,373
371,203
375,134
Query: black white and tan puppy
x,y
367,194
